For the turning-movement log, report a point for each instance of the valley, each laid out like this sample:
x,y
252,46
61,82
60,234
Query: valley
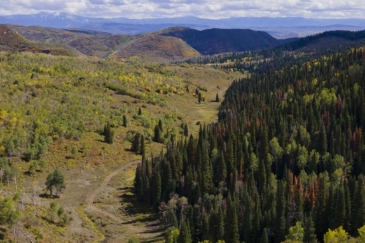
x,y
181,135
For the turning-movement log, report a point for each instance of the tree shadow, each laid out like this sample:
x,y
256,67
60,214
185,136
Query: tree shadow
x,y
133,208
2,233
46,195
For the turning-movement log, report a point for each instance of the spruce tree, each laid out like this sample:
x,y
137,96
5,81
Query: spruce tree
x,y
142,147
125,122
264,237
156,188
231,224
108,133
184,236
309,231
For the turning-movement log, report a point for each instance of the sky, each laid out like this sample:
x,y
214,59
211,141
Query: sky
x,y
211,9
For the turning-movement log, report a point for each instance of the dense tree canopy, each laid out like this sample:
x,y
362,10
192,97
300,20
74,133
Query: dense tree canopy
x,y
284,162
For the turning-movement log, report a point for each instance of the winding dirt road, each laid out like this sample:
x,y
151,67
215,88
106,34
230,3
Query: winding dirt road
x,y
91,197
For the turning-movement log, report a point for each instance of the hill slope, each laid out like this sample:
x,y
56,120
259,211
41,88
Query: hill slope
x,y
324,40
11,41
156,48
213,41
170,44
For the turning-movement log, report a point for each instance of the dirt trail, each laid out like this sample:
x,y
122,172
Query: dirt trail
x,y
99,211
90,199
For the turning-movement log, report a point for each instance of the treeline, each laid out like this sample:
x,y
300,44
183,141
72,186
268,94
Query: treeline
x,y
288,148
285,55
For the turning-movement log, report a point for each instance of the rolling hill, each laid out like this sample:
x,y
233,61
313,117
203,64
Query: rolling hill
x,y
170,44
214,41
323,40
11,41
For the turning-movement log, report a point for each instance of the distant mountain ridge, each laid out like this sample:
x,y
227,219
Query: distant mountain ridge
x,y
169,44
279,27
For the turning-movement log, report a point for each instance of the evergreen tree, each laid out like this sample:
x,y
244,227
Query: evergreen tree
x,y
359,204
157,137
184,236
309,232
231,224
264,237
156,188
108,133
125,122
142,147
136,143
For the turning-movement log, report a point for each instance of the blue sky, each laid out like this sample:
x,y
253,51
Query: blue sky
x,y
200,8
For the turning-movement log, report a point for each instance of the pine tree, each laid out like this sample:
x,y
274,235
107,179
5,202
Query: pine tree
x,y
264,237
156,188
136,143
221,169
186,130
359,204
217,98
125,122
309,231
157,137
142,147
231,227
184,236
217,225
322,143
108,133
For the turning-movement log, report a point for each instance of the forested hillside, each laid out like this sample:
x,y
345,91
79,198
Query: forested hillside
x,y
213,41
285,161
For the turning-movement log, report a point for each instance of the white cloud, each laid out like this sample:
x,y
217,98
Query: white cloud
x,y
199,8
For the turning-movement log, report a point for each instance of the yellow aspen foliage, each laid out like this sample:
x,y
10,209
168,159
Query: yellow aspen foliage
x,y
335,236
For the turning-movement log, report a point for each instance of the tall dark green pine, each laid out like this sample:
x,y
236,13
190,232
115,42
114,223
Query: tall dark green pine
x,y
359,204
196,229
340,207
348,218
157,136
230,162
206,170
108,133
309,231
221,169
156,188
167,182
322,142
231,226
186,130
264,237
138,183
125,122
321,212
280,222
136,143
217,225
205,228
142,147
184,236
